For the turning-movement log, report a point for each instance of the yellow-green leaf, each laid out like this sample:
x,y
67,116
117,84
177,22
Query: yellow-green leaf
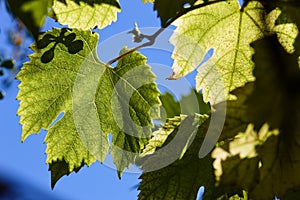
x,y
83,15
229,31
94,100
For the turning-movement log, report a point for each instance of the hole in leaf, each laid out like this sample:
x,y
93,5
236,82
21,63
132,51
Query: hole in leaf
x,y
200,193
59,116
208,55
110,136
186,5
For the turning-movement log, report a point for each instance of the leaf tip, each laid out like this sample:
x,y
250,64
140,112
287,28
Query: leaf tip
x,y
119,175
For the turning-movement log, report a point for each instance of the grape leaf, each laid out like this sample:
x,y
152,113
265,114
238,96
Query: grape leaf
x,y
230,63
290,14
148,1
169,105
160,136
181,179
276,3
168,9
292,194
83,15
91,97
191,101
236,113
286,31
274,100
188,104
58,169
31,13
243,156
92,2
143,103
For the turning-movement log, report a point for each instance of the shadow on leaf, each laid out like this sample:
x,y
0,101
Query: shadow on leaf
x,y
74,46
93,2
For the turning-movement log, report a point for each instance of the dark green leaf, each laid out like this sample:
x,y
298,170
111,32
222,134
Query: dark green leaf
x,y
181,179
59,169
169,9
189,104
272,105
169,105
31,13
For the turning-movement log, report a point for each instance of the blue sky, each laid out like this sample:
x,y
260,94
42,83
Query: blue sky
x,y
25,162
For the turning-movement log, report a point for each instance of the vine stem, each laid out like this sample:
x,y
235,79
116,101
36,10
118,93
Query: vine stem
x,y
153,37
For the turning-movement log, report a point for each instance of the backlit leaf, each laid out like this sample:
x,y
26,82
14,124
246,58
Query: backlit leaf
x,y
274,101
83,15
230,65
182,178
94,100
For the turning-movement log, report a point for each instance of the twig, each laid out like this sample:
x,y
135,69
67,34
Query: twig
x,y
151,41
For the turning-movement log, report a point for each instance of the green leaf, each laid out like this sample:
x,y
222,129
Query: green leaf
x,y
84,15
133,85
191,101
189,104
148,1
95,100
278,3
234,197
273,100
236,112
169,105
31,13
168,9
182,178
93,2
292,194
59,169
229,31
239,164
290,14
160,136
285,30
